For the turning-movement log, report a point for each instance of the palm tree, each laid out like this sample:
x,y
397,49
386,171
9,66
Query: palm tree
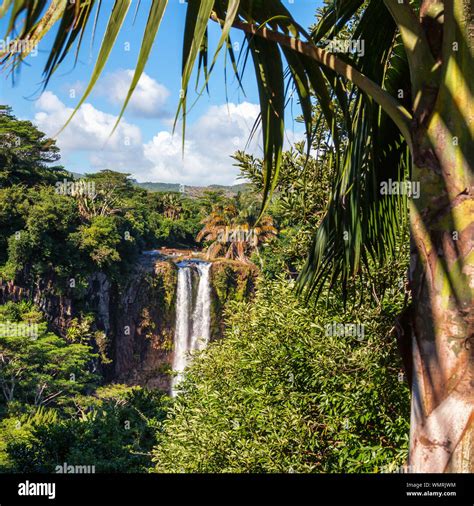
x,y
233,233
172,206
210,199
406,104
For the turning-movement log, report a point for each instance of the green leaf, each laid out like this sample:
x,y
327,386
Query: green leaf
x,y
197,17
271,87
117,17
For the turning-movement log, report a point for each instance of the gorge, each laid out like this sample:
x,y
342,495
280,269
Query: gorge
x,y
172,306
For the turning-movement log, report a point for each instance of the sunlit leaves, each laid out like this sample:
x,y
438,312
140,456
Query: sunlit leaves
x,y
278,395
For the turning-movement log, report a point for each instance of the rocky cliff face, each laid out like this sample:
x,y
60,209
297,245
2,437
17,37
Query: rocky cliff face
x,y
58,309
145,326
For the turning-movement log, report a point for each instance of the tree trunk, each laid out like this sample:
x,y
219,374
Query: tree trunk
x,y
442,262
442,420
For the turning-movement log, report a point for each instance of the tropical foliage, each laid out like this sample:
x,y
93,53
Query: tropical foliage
x,y
52,411
55,225
233,231
280,395
37,367
113,430
398,110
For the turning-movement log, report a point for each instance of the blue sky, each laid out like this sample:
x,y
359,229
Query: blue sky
x,y
143,144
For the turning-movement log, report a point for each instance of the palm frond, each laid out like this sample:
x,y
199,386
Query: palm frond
x,y
155,17
361,225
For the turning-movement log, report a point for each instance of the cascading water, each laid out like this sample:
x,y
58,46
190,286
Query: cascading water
x,y
193,326
183,313
202,311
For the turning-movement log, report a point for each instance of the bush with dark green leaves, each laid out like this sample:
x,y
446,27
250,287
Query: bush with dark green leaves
x,y
113,430
51,410
37,367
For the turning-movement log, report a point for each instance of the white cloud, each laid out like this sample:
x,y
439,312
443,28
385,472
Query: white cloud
x,y
148,99
89,132
49,103
209,143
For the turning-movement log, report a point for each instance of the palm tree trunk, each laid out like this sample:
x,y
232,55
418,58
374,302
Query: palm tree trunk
x,y
442,272
442,417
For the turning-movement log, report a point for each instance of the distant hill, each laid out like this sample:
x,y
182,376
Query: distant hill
x,y
77,175
191,191
158,187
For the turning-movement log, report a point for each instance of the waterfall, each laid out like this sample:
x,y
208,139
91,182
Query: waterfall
x,y
193,325
202,312
183,313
